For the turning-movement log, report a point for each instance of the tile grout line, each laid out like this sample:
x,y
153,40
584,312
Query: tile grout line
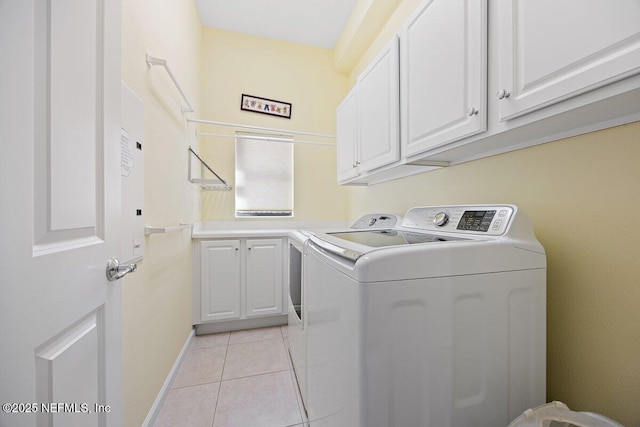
x,y
255,375
298,392
254,341
294,380
218,396
225,362
301,408
193,385
215,408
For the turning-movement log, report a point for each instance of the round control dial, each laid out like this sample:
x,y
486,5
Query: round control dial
x,y
441,219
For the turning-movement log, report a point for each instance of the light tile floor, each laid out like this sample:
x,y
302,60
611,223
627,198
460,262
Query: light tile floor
x,y
241,378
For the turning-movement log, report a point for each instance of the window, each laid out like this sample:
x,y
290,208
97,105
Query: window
x,y
264,175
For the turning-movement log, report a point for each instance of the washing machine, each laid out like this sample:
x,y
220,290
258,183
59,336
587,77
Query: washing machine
x,y
297,336
439,322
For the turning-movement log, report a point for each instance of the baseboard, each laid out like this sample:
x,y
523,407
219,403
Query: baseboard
x,y
157,404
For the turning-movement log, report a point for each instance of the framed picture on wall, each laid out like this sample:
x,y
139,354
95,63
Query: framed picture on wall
x,y
265,106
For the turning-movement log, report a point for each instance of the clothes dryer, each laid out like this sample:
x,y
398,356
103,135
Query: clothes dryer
x,y
297,337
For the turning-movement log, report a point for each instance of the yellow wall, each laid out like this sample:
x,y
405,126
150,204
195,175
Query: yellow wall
x,y
571,189
157,298
581,194
365,21
234,64
395,21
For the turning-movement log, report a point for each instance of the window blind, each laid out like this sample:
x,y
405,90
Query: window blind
x,y
264,175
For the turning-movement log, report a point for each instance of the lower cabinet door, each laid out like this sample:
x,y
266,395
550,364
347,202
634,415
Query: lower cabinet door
x,y
220,280
264,277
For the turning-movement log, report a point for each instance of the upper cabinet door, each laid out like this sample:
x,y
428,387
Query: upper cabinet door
x,y
378,110
551,50
346,137
443,51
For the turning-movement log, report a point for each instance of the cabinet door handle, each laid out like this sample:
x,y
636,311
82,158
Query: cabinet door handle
x,y
502,94
472,112
237,249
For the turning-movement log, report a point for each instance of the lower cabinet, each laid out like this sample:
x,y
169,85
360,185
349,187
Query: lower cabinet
x,y
220,278
240,279
264,277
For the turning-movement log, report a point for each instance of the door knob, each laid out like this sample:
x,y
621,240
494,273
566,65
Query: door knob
x,y
472,112
116,271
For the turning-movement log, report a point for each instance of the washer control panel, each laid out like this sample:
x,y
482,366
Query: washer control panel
x,y
490,220
476,220
377,221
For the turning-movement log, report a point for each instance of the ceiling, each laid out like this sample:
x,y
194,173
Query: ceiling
x,y
311,22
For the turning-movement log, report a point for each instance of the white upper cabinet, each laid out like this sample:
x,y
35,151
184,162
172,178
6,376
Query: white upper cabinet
x,y
551,50
480,78
346,138
368,120
378,128
443,57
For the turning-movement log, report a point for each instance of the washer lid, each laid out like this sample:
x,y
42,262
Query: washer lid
x,y
377,221
355,244
384,238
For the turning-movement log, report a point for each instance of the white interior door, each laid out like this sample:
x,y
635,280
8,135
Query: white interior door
x,y
60,357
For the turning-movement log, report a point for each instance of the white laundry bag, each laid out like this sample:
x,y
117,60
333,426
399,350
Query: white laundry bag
x,y
557,414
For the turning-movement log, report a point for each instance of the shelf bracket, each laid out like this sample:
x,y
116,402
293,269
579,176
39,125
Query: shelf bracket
x,y
151,61
207,184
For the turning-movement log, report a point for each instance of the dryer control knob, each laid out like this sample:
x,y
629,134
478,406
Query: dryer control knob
x,y
441,219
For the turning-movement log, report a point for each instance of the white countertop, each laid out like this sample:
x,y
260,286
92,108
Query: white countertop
x,y
248,229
